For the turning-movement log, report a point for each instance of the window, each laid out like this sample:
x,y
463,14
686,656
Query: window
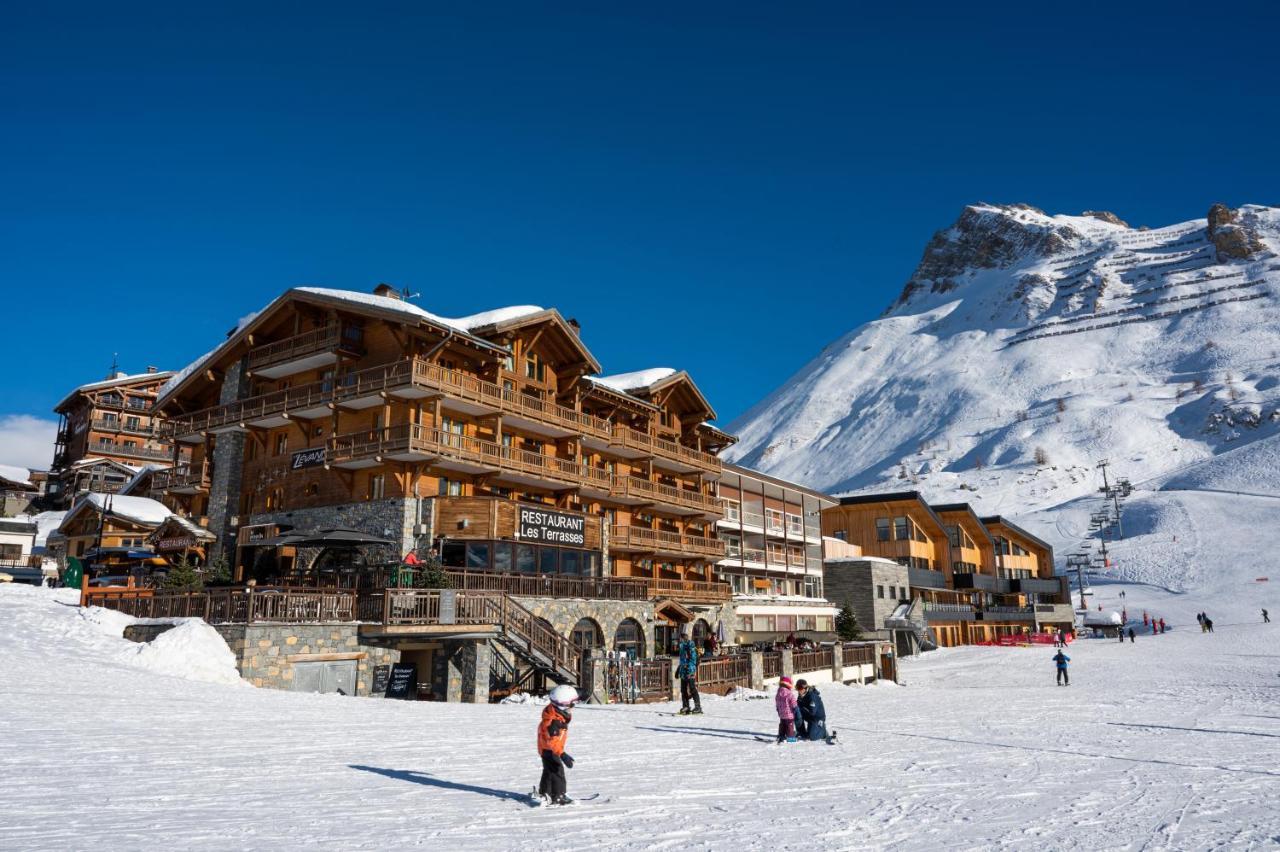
x,y
548,560
509,364
311,490
882,529
534,368
813,587
901,528
377,486
629,638
794,525
282,444
843,535
571,562
131,422
453,554
732,510
526,559
774,519
502,556
880,592
953,533
478,555
450,487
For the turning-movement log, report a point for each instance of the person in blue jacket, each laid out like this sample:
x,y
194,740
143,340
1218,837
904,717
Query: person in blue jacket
x,y
812,721
1060,659
687,671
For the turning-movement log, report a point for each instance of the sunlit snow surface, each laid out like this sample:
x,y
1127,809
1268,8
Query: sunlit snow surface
x,y
1169,742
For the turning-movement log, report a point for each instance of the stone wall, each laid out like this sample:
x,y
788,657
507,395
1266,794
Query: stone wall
x,y
228,468
564,613
855,580
374,517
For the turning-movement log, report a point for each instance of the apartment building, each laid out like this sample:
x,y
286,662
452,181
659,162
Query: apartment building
x,y
107,432
772,534
491,439
970,579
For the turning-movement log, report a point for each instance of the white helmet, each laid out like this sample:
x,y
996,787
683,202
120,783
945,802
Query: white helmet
x,y
564,695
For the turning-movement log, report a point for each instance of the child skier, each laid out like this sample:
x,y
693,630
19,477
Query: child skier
x,y
786,703
553,731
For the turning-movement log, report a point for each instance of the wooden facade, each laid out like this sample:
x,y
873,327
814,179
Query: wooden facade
x,y
975,579
113,420
345,397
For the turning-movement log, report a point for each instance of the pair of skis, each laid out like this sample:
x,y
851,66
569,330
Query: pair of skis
x,y
830,740
538,800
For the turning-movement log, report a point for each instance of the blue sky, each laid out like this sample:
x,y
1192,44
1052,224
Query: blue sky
x,y
723,188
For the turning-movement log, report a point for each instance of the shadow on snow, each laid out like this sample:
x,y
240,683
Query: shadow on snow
x,y
427,780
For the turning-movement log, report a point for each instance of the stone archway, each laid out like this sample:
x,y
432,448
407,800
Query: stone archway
x,y
629,638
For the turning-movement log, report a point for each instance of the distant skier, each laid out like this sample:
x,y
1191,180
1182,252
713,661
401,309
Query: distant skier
x,y
1208,624
1062,639
785,703
1266,619
1144,618
1060,660
1200,617
1162,626
1120,633
811,724
553,732
687,671
1131,635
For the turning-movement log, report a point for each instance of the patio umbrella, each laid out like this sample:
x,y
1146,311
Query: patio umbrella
x,y
333,537
720,632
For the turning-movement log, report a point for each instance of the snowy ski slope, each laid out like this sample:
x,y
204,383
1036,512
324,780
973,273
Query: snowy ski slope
x,y
1167,743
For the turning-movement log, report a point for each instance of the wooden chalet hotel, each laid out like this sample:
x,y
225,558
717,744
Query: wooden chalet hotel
x,y
490,438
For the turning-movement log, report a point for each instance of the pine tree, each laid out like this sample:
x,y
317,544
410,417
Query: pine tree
x,y
847,627
1042,457
183,577
219,571
430,574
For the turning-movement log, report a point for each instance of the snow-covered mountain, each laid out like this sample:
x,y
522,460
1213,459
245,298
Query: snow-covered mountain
x,y
1026,347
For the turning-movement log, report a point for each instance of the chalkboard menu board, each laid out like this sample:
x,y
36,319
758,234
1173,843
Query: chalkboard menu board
x,y
403,682
381,677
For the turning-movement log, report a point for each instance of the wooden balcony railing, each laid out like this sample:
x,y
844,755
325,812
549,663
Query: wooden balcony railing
x,y
624,436
103,424
633,487
552,585
185,478
302,345
665,542
221,606
696,591
312,395
412,439
137,452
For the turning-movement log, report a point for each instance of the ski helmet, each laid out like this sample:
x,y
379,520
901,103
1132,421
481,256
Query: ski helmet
x,y
564,695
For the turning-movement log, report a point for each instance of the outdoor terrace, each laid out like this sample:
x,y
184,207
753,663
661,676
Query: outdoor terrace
x,y
662,542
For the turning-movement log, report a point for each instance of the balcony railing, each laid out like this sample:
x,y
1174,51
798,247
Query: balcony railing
x,y
411,439
696,591
182,479
665,542
103,424
630,486
152,453
624,436
552,585
308,343
1008,613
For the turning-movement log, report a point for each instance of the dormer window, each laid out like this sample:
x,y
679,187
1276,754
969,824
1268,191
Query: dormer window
x,y
535,368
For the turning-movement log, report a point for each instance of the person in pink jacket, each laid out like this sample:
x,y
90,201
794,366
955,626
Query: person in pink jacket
x,y
786,702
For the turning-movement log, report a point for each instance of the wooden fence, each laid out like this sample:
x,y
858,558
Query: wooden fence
x,y
858,653
722,674
813,661
772,663
223,606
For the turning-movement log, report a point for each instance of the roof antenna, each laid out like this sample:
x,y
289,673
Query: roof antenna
x,y
406,295
115,365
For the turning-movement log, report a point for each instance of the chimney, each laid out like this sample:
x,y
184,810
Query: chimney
x,y
575,325
151,369
386,290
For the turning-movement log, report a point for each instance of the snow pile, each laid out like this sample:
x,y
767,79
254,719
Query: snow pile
x,y
20,476
1107,618
744,693
635,380
141,510
192,650
526,698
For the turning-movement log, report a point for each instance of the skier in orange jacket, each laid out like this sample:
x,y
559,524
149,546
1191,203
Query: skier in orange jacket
x,y
553,732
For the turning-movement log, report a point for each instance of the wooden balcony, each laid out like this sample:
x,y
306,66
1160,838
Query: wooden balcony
x,y
182,480
551,585
415,378
463,453
630,488
693,591
303,402
666,454
306,351
138,452
663,542
103,424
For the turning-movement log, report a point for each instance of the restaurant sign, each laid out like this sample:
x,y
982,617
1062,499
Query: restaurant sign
x,y
313,457
551,527
177,543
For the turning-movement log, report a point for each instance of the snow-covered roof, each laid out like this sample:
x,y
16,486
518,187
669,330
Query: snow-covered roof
x,y
118,379
140,475
46,523
409,310
190,526
138,510
634,380
17,475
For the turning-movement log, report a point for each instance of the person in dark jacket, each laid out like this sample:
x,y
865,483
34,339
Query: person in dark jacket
x,y
1131,634
812,721
687,671
1060,660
